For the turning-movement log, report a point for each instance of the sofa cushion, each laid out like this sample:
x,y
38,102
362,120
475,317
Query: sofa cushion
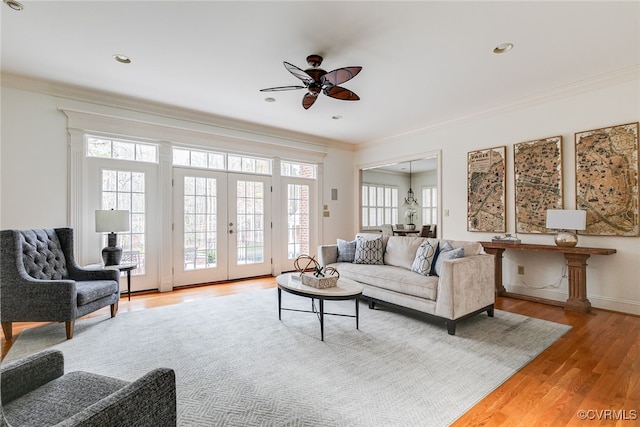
x,y
394,279
346,250
93,290
446,255
470,248
424,257
401,251
369,251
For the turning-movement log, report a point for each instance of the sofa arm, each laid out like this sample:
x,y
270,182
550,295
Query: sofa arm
x,y
327,254
27,374
148,401
465,285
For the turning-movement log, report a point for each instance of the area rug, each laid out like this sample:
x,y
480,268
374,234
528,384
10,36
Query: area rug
x,y
236,364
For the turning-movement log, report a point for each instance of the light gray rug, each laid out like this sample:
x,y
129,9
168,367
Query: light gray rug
x,y
237,365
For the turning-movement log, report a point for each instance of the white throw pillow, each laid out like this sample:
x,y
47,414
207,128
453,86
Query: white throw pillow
x,y
424,258
369,251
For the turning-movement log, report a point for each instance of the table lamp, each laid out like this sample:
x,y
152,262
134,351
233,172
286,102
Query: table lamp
x,y
112,221
566,221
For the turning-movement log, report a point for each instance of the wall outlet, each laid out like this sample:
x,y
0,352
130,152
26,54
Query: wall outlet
x,y
521,269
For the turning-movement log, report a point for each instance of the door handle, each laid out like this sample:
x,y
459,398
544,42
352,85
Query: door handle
x,y
230,231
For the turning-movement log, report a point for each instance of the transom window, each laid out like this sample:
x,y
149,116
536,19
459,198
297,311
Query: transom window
x,y
299,170
198,158
121,150
221,161
249,164
379,205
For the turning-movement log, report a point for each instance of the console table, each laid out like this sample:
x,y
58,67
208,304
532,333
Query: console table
x,y
576,261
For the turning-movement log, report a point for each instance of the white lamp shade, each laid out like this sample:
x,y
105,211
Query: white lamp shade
x,y
566,219
112,221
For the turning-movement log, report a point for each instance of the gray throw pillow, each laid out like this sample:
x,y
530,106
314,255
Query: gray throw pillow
x,y
369,251
424,258
346,250
451,254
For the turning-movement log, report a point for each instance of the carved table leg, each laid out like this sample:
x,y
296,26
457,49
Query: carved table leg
x,y
577,300
497,254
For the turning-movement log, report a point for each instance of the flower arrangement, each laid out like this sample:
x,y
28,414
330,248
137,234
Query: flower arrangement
x,y
409,215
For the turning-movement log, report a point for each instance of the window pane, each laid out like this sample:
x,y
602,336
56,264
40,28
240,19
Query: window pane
x,y
123,150
98,147
181,157
146,153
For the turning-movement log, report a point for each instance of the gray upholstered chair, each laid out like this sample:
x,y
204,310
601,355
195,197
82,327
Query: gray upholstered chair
x,y
37,392
40,280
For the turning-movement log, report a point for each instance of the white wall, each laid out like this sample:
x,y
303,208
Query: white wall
x,y
34,161
613,281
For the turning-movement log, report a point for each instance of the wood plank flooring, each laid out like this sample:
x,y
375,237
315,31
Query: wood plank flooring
x,y
594,368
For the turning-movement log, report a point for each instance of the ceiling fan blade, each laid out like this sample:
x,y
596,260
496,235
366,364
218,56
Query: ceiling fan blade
x,y
339,92
308,100
299,73
340,75
276,89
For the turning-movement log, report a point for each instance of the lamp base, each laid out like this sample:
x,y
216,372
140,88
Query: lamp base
x,y
112,255
566,239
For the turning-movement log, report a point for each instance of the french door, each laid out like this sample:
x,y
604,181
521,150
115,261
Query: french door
x,y
222,226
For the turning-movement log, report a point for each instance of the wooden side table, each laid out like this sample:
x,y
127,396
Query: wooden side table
x,y
576,258
125,267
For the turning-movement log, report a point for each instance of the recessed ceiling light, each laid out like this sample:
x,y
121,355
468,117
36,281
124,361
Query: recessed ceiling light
x,y
269,99
13,4
122,59
502,48
336,117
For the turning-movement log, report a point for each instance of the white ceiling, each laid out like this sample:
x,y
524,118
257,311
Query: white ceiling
x,y
424,63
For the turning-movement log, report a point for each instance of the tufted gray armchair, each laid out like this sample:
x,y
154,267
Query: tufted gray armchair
x,y
40,280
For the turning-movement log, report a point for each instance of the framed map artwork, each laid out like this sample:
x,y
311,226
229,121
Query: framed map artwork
x,y
537,169
607,179
486,190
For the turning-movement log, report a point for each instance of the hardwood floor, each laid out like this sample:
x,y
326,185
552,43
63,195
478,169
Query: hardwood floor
x,y
594,368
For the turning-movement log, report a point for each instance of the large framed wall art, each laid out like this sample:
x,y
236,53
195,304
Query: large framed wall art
x,y
607,179
486,190
537,169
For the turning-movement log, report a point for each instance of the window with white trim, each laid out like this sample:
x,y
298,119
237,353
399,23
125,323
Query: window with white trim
x,y
121,149
429,205
299,170
379,205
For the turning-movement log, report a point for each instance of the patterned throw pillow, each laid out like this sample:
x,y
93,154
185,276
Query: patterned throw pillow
x,y
346,250
451,254
368,251
444,247
424,258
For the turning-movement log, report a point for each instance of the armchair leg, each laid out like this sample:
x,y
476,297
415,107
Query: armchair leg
x,y
114,309
69,327
8,331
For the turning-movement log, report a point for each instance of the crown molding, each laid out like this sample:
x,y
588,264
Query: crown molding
x,y
249,131
572,89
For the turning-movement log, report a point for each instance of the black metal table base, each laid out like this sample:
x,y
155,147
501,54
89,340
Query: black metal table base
x,y
320,313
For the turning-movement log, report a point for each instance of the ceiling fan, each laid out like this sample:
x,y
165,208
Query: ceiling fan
x,y
317,80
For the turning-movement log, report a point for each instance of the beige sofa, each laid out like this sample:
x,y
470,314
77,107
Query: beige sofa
x,y
465,286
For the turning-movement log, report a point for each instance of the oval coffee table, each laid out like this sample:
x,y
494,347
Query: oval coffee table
x,y
345,290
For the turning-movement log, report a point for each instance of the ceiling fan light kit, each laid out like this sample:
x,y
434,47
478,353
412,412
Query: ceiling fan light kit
x,y
316,81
